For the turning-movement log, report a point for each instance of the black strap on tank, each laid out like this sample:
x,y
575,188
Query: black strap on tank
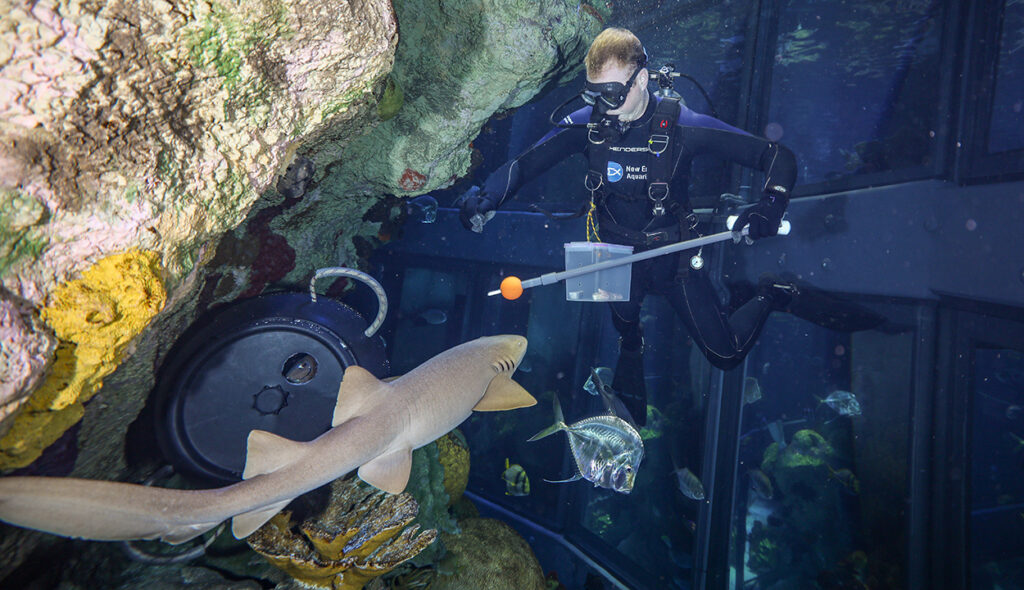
x,y
659,166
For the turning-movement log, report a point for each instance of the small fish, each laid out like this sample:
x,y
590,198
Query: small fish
x,y
1018,440
517,483
775,429
422,208
847,478
603,373
607,449
843,402
689,484
1013,412
761,483
526,366
432,317
612,403
751,390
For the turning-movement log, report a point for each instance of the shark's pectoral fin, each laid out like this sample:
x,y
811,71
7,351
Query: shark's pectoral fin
x,y
354,384
388,472
243,525
504,394
268,452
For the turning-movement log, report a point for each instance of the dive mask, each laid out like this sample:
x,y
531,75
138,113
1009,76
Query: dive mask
x,y
608,96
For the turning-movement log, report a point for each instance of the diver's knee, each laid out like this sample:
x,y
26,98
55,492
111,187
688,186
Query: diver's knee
x,y
721,362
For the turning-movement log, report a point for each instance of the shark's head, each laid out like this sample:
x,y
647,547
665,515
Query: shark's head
x,y
507,351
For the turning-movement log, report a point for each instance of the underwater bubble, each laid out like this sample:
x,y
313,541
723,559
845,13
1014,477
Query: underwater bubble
x,y
971,225
773,131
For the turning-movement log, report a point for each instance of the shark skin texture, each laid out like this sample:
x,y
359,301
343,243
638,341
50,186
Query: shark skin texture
x,y
376,426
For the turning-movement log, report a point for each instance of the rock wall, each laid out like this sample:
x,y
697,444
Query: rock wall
x,y
142,124
235,146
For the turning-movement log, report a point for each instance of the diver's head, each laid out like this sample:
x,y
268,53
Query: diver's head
x,y
616,76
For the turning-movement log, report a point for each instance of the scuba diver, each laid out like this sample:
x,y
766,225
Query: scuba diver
x,y
639,147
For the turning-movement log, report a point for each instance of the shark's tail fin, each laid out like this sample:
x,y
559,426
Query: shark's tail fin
x,y
558,425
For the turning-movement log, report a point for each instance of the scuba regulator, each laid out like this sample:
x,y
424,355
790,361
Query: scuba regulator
x,y
609,96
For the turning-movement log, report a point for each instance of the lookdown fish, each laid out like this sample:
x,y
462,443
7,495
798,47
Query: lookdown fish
x,y
843,402
607,448
375,427
604,375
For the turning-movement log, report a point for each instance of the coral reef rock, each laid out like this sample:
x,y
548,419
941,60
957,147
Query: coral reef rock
x,y
26,352
489,555
453,453
151,126
363,533
95,317
457,65
156,125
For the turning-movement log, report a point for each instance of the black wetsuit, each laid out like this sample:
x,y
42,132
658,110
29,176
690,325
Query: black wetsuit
x,y
625,213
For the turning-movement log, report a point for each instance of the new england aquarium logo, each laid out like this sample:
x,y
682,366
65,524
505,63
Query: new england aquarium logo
x,y
614,171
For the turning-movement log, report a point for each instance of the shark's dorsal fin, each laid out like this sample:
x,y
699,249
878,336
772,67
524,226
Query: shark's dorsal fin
x,y
356,380
504,394
267,452
388,472
243,525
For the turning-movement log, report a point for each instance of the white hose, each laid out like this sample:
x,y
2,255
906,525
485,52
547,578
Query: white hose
x,y
341,271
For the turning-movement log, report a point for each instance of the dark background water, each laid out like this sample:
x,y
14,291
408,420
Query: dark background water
x,y
913,106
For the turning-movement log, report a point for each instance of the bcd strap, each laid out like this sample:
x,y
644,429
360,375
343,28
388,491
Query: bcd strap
x,y
660,144
662,130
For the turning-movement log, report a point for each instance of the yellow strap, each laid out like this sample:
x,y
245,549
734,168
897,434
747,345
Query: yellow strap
x,y
592,222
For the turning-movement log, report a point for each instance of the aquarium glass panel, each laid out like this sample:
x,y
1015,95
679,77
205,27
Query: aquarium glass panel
x,y
1006,131
429,315
653,526
506,467
853,85
821,481
997,470
707,41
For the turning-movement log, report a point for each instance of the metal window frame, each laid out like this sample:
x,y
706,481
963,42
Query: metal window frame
x,y
757,93
964,326
984,23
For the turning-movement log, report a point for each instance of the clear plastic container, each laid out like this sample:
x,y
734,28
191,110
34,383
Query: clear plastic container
x,y
611,284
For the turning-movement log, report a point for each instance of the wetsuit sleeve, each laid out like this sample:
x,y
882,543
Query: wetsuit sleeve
x,y
774,159
557,145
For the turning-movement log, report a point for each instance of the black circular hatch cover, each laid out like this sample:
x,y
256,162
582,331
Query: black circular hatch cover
x,y
271,363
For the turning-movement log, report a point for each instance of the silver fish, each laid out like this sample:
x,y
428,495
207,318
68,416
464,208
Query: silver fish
x,y
843,402
607,449
603,373
751,390
431,317
689,484
761,483
778,434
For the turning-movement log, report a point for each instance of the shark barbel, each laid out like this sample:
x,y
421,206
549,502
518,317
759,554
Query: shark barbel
x,y
375,427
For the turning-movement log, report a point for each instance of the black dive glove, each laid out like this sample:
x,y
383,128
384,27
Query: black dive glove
x,y
476,209
764,217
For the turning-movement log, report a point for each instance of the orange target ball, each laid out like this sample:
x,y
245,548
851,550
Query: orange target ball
x,y
511,288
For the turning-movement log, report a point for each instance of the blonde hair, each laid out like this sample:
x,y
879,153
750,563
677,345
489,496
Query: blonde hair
x,y
614,45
